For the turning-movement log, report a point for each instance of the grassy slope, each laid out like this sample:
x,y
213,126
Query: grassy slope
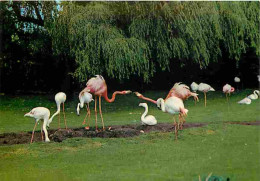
x,y
226,150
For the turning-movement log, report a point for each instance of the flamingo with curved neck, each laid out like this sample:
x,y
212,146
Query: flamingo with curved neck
x,y
227,89
147,120
85,98
114,95
254,96
172,105
97,86
39,113
60,98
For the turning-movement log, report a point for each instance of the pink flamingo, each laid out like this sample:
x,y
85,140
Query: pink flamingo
x,y
227,89
181,91
97,86
173,103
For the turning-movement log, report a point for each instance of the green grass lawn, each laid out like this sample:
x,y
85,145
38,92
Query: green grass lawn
x,y
229,151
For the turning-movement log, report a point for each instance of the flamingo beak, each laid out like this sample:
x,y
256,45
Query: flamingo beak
x,y
128,92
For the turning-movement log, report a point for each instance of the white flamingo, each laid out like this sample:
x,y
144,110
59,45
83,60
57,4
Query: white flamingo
x,y
245,101
205,88
237,79
254,96
173,105
60,98
227,89
39,113
194,87
85,98
147,120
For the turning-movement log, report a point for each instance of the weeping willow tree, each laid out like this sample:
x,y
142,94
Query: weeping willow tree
x,y
122,39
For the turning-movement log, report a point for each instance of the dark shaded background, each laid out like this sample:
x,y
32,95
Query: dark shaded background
x,y
48,75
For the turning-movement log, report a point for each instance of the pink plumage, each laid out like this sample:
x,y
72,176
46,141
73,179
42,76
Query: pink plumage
x,y
181,91
97,85
228,89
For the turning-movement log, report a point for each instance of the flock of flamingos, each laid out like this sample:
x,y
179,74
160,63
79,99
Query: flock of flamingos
x,y
172,104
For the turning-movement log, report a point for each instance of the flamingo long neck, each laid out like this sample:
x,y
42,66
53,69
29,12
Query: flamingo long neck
x,y
81,104
147,99
144,114
162,105
113,96
255,93
57,112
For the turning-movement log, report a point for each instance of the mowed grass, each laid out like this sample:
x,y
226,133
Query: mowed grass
x,y
229,151
125,110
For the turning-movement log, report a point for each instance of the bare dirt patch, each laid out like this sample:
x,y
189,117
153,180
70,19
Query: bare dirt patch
x,y
116,131
252,123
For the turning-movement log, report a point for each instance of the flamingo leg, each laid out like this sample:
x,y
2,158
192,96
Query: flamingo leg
x,y
182,120
194,100
87,115
179,122
175,128
96,112
33,130
59,121
100,111
64,116
41,131
227,97
205,97
84,122
88,123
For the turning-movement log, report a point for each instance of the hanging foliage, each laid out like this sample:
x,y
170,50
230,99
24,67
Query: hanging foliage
x,y
122,39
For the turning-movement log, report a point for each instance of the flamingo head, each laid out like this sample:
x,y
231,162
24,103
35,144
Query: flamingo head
x,y
127,92
138,94
159,101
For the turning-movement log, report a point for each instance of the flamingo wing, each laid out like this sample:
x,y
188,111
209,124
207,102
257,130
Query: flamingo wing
x,y
245,101
96,84
180,90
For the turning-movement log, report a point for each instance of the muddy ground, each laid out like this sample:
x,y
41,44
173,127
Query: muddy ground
x,y
116,131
